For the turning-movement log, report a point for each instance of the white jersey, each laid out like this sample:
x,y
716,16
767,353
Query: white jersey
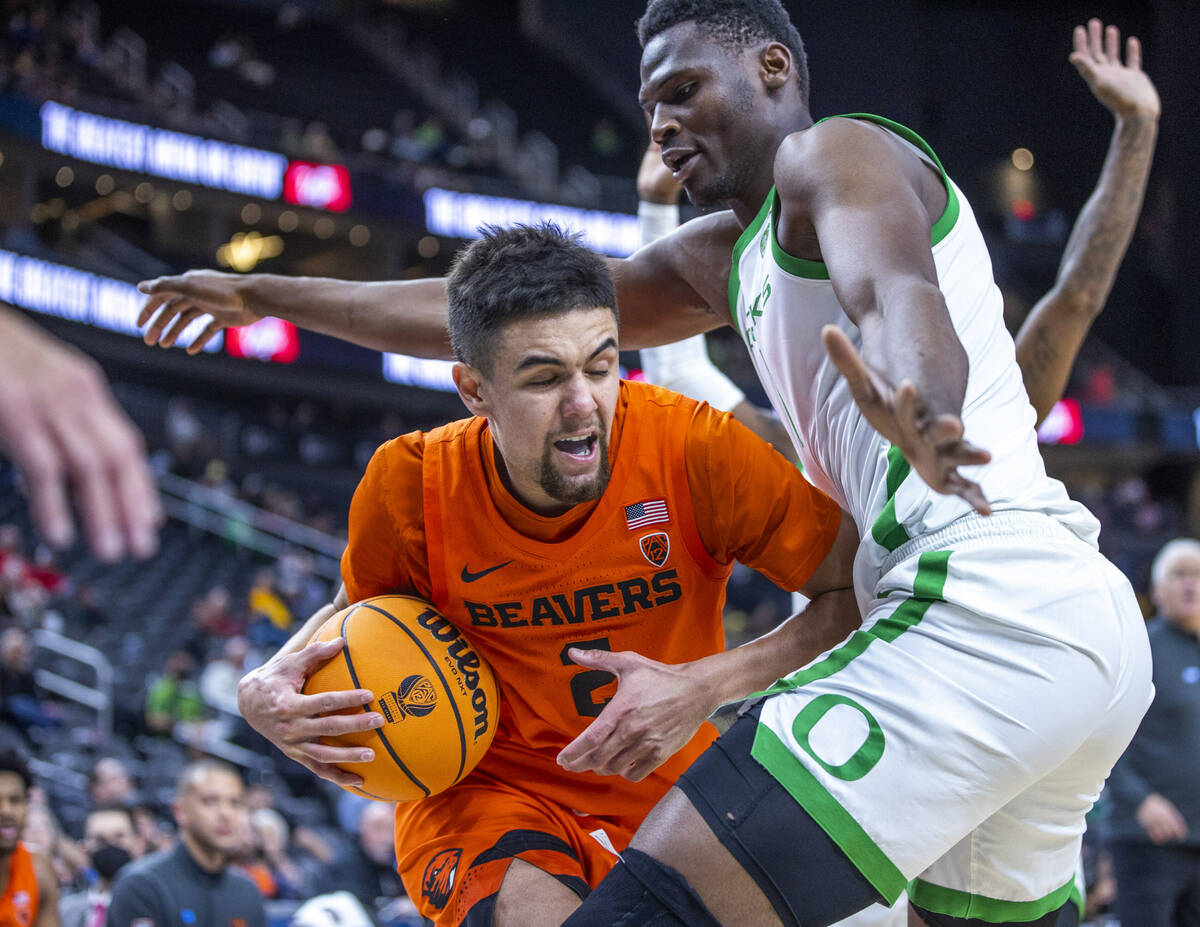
x,y
780,304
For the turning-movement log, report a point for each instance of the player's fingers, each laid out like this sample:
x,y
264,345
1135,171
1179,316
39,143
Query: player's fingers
x,y
326,753
41,465
591,746
1079,41
327,771
135,493
182,321
165,316
316,654
615,663
960,486
1112,43
962,454
850,365
309,706
1133,53
1095,38
152,305
87,452
307,729
1084,65
211,330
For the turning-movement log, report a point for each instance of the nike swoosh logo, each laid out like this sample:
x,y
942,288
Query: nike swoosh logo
x,y
469,577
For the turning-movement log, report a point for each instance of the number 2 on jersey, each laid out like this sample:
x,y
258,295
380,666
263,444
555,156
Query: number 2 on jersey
x,y
587,681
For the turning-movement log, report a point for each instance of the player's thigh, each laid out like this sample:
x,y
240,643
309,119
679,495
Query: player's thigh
x,y
454,852
531,897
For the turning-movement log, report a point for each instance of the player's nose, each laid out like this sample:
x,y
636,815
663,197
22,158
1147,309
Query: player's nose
x,y
663,124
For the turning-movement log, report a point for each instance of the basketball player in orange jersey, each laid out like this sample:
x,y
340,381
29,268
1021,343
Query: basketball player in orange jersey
x,y
28,887
580,530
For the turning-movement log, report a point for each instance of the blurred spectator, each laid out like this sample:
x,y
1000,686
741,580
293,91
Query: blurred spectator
x,y
173,698
44,835
111,783
110,840
219,679
213,616
291,875
191,883
1155,789
270,616
152,830
20,704
369,869
29,883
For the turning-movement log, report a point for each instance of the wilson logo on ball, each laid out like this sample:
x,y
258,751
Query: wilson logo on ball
x,y
416,697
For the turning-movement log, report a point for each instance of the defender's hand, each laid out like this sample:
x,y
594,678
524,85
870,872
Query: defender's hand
x,y
1123,88
655,182
933,445
179,301
657,709
271,701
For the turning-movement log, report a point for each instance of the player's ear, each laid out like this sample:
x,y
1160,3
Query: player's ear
x,y
775,65
468,381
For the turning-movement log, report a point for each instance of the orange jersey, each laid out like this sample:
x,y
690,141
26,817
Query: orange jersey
x,y
642,569
19,903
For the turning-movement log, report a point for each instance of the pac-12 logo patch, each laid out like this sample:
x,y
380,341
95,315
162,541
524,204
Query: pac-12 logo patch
x,y
416,697
438,881
656,547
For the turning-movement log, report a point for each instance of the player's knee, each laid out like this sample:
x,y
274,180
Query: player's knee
x,y
642,890
1066,916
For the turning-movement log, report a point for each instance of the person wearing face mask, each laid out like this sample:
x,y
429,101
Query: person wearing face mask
x,y
111,840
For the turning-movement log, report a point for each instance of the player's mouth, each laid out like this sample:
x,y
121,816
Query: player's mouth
x,y
9,832
583,447
681,163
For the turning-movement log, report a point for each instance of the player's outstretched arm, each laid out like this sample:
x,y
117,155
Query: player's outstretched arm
x,y
61,426
272,701
658,707
405,316
1052,335
847,182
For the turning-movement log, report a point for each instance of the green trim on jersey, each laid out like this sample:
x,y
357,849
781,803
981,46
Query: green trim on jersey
x,y
777,758
797,267
953,903
739,246
835,820
928,585
887,531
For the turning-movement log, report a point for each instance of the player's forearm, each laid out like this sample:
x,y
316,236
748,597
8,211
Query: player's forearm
x,y
1105,225
300,639
912,338
403,316
752,667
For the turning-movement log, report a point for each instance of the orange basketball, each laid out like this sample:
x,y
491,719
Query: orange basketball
x,y
438,697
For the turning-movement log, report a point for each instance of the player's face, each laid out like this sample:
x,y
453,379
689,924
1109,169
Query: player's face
x,y
703,105
14,806
212,812
549,401
1178,592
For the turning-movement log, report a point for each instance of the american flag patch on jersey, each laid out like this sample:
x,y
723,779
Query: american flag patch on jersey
x,y
650,512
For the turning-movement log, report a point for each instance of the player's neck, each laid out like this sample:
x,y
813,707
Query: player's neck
x,y
755,189
209,859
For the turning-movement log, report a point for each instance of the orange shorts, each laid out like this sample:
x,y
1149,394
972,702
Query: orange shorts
x,y
453,849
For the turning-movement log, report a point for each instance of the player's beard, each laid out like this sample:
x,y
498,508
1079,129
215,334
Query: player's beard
x,y
572,492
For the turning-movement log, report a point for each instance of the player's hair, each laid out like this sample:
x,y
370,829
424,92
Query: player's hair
x,y
13,760
517,273
116,806
194,770
736,23
1171,550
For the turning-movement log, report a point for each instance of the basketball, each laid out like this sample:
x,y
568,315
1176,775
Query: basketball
x,y
437,695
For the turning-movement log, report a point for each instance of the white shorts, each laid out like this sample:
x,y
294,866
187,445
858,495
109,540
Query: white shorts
x,y
953,744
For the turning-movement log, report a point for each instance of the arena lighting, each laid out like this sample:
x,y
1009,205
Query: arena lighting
x,y
1064,424
162,153
418,371
76,295
321,186
268,339
459,215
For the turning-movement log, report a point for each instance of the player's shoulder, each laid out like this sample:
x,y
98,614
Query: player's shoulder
x,y
828,150
650,399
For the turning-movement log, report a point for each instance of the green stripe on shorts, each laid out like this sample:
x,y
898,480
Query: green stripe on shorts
x,y
953,903
775,756
887,531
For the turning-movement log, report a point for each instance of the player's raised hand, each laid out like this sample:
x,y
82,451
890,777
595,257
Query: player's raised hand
x,y
271,700
655,181
656,710
933,445
173,303
1123,87
61,426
